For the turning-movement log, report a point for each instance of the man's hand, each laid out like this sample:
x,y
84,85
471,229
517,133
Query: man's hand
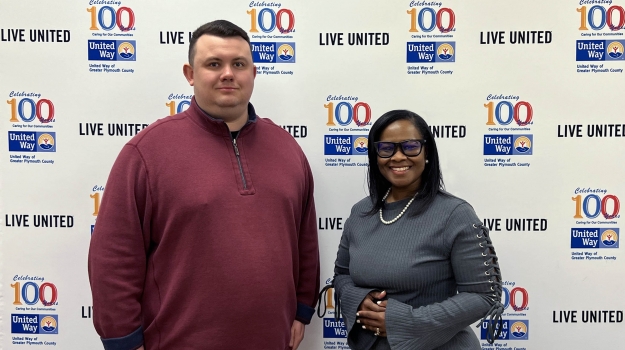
x,y
297,334
141,348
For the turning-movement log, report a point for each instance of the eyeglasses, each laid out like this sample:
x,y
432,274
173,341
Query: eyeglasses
x,y
411,148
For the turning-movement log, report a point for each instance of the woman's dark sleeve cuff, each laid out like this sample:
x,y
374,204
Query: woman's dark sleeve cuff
x,y
130,342
304,313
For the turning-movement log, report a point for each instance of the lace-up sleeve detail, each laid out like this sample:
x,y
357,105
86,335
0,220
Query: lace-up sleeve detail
x,y
493,316
323,298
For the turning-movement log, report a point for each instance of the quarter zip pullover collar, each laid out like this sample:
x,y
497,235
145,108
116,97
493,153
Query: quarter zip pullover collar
x,y
218,126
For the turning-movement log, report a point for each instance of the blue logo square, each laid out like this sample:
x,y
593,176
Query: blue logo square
x,y
112,50
30,141
510,330
420,52
273,52
337,145
495,145
263,52
430,51
333,328
587,237
25,323
522,145
590,50
345,145
34,324
609,238
502,145
614,50
285,53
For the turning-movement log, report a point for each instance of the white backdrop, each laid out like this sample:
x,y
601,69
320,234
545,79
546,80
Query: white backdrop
x,y
524,97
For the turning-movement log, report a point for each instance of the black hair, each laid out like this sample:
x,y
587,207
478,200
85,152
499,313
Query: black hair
x,y
220,28
431,179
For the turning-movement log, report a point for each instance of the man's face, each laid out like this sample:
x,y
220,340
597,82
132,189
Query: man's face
x,y
222,75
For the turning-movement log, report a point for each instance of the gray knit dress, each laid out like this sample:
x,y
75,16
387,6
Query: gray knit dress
x,y
438,269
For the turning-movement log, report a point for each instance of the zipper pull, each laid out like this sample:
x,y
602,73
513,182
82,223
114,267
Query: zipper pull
x,y
236,149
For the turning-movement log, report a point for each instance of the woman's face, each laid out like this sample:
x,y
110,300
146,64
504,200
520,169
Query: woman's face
x,y
403,172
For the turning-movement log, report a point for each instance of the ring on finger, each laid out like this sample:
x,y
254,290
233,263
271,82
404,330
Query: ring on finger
x,y
377,331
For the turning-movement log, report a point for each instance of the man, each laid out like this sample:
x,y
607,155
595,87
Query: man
x,y
206,237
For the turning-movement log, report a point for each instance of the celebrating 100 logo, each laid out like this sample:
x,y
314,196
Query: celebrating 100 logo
x,y
34,110
600,206
335,113
114,18
589,17
435,19
513,113
37,293
276,20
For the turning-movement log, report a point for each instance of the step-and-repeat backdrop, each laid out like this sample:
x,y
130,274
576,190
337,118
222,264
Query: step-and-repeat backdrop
x,y
524,98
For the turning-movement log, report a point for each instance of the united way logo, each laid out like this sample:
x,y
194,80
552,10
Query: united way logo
x,y
46,141
34,324
609,238
615,50
361,144
509,330
515,145
28,141
445,52
49,325
593,237
286,53
345,145
523,144
273,52
112,50
518,330
430,52
600,50
126,51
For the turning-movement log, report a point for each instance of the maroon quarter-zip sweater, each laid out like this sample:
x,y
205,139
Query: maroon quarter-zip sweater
x,y
203,241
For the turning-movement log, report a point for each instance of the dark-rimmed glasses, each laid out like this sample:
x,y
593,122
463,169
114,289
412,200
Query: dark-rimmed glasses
x,y
410,148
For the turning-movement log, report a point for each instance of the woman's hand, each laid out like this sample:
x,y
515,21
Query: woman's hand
x,y
372,312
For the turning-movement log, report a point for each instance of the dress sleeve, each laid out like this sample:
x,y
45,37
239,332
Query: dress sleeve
x,y
118,250
349,295
478,278
308,246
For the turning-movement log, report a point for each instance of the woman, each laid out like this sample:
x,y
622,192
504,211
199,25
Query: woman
x,y
415,267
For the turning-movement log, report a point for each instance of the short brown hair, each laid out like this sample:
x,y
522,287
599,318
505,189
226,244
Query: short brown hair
x,y
220,28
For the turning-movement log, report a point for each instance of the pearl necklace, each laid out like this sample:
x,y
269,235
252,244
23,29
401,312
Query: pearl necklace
x,y
400,214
